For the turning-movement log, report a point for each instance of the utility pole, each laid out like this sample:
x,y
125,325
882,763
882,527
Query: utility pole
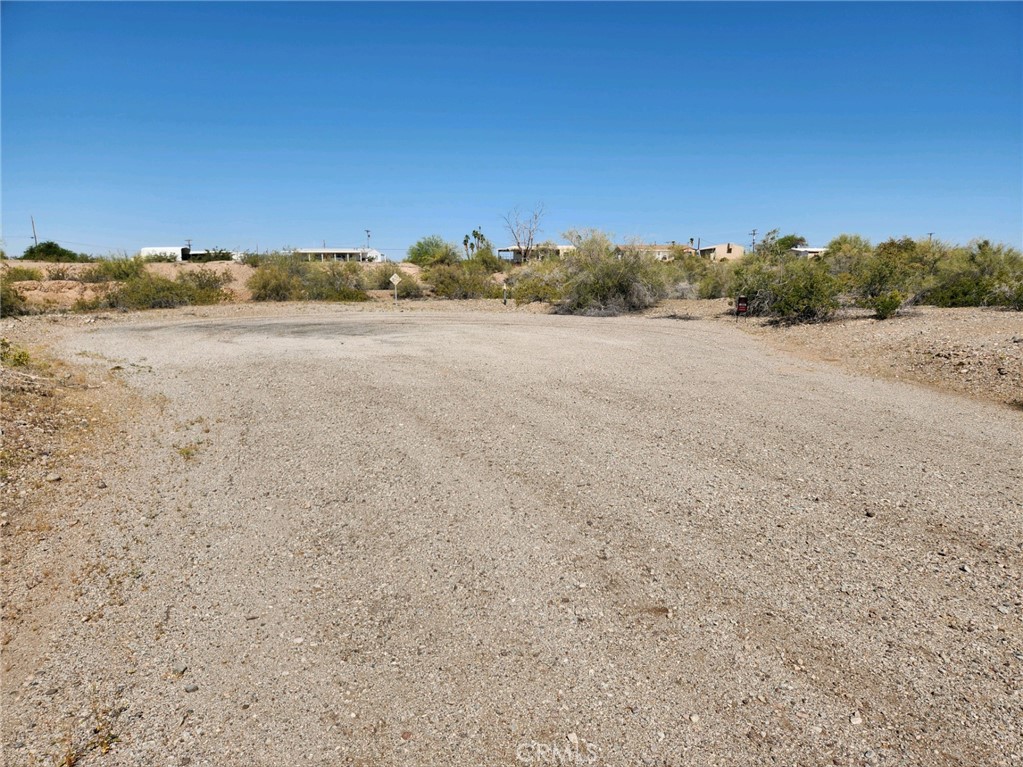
x,y
754,233
34,238
188,242
929,236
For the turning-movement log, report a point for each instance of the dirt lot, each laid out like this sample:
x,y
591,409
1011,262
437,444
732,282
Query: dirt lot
x,y
310,534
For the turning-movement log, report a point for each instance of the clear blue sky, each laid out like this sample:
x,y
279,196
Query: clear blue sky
x,y
262,124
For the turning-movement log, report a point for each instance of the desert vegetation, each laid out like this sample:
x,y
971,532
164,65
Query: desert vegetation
x,y
594,277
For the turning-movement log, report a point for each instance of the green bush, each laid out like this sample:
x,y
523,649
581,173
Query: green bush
x,y
12,303
462,280
205,286
543,281
59,273
334,282
278,278
409,287
609,284
486,259
213,254
433,250
51,251
22,274
151,291
804,291
716,281
790,289
378,276
887,304
981,275
13,356
114,270
754,277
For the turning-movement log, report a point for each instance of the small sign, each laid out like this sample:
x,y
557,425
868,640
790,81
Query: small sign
x,y
741,305
395,279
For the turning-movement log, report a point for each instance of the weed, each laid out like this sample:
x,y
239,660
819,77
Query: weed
x,y
59,273
12,303
22,274
189,451
334,282
13,356
114,270
464,280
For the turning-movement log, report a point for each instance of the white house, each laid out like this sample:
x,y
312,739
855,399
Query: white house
x,y
369,255
182,253
807,252
177,252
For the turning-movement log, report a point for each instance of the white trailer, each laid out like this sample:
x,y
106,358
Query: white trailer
x,y
177,252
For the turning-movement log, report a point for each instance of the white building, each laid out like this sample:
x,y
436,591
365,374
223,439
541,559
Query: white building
x,y
368,255
807,252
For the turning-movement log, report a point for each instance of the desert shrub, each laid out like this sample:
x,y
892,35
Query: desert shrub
x,y
12,303
433,250
409,287
602,281
486,259
159,259
113,270
334,282
790,289
151,291
716,280
213,254
51,251
252,259
613,285
804,291
754,278
13,356
981,275
278,278
887,304
462,280
59,273
205,286
146,291
378,276
22,274
541,281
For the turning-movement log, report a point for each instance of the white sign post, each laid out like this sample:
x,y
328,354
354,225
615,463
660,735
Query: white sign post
x,y
395,279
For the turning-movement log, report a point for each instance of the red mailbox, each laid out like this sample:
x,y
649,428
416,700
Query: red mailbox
x,y
741,305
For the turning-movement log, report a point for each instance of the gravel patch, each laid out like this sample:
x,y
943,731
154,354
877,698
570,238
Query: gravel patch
x,y
353,535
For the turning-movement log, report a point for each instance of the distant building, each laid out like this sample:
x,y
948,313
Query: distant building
x,y
368,255
540,251
184,253
177,252
725,250
660,252
807,252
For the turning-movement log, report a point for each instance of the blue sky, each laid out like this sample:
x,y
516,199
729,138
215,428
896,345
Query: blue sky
x,y
245,125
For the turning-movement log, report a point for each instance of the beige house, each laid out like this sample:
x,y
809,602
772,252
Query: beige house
x,y
725,250
660,252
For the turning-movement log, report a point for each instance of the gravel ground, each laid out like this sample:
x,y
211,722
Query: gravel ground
x,y
331,535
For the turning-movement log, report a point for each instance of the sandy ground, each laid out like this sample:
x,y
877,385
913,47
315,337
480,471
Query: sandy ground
x,y
349,535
